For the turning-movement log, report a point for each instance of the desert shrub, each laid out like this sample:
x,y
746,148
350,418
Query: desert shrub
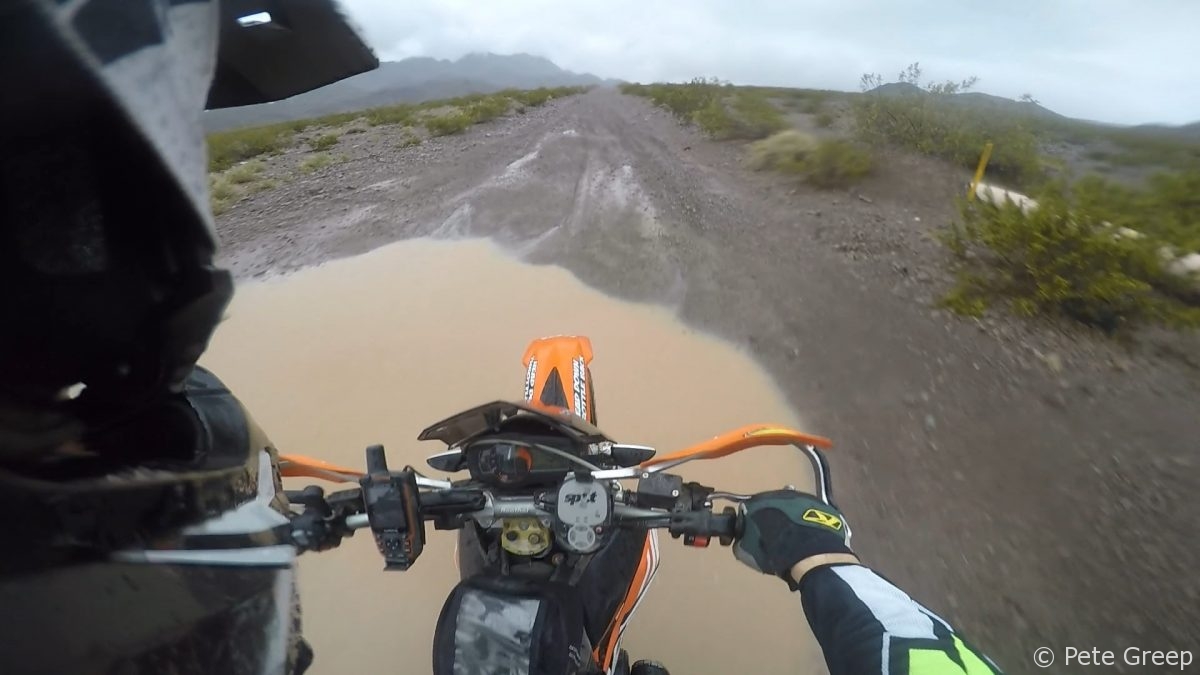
x,y
786,151
755,117
837,163
393,114
336,119
222,194
535,97
720,110
227,187
226,148
1173,204
924,118
409,139
824,119
324,142
1167,208
315,162
928,124
450,123
683,100
714,119
830,163
1146,149
244,173
488,108
1062,260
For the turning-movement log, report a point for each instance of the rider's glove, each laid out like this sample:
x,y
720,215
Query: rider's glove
x,y
789,533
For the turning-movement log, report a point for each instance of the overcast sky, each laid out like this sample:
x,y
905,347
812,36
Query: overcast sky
x,y
1110,60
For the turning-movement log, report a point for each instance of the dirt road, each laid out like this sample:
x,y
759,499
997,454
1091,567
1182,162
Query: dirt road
x,y
1036,488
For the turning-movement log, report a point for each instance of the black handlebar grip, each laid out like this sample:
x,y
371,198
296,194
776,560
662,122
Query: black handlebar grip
x,y
734,528
311,497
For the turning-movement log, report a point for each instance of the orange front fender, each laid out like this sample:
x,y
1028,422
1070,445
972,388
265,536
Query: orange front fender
x,y
557,374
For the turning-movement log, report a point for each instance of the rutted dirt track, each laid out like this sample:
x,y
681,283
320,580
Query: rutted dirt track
x,y
1035,501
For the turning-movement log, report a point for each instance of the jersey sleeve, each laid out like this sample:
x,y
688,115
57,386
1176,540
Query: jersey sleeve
x,y
865,624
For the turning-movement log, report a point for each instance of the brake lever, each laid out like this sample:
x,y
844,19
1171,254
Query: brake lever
x,y
728,496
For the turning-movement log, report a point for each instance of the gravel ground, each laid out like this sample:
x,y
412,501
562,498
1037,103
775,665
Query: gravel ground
x,y
1033,484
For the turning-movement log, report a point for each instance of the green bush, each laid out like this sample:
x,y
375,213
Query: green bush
x,y
336,119
755,117
832,163
1173,205
533,98
1167,208
824,119
222,194
394,114
1061,260
324,142
315,162
262,185
720,110
1146,149
683,100
245,173
837,163
714,120
488,108
226,148
786,151
930,124
927,118
449,123
536,97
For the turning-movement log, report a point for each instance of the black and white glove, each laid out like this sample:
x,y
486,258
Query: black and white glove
x,y
788,533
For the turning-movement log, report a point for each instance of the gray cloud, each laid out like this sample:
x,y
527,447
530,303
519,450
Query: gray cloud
x,y
1110,60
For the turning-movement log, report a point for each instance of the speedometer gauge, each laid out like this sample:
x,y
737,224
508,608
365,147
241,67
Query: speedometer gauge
x,y
513,462
487,461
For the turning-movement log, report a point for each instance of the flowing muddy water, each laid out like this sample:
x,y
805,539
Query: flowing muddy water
x,y
372,349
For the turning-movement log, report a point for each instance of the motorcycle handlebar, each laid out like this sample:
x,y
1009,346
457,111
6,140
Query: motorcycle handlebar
x,y
725,525
326,520
395,503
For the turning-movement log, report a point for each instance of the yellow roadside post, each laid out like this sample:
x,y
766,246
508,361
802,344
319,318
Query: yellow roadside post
x,y
983,160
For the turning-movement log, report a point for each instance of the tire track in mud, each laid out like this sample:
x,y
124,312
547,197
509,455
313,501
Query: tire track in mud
x,y
1019,519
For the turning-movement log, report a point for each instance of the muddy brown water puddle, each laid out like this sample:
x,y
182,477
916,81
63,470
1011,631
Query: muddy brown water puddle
x,y
372,349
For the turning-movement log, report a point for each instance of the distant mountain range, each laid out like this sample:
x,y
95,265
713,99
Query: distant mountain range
x,y
407,81
999,104
977,100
